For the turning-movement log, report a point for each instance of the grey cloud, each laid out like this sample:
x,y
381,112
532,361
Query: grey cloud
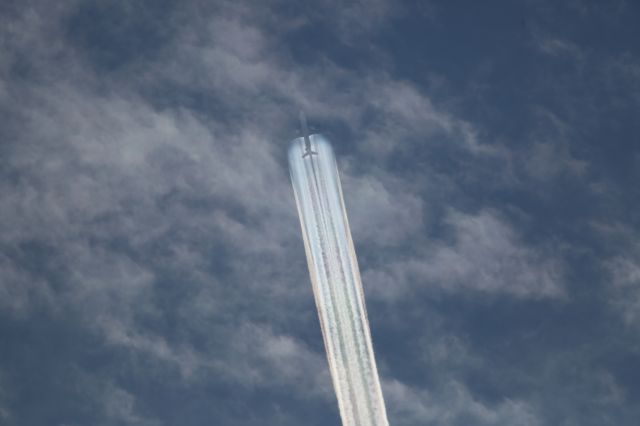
x,y
549,155
623,71
448,351
559,47
624,271
5,414
620,262
20,290
119,406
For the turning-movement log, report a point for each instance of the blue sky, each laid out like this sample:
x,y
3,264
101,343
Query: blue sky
x,y
152,270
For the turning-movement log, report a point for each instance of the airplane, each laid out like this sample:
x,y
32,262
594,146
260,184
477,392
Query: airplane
x,y
305,132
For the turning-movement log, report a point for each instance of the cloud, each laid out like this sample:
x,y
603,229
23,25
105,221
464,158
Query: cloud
x,y
487,254
559,47
549,155
119,406
380,215
99,167
624,271
5,414
146,205
20,290
619,261
452,405
484,254
256,357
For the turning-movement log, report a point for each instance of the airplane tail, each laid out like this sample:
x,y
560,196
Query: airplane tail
x,y
306,154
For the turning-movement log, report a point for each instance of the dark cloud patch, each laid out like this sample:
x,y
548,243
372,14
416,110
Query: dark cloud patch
x,y
115,33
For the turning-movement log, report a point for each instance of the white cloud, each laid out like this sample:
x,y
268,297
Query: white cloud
x,y
257,357
484,254
452,404
381,215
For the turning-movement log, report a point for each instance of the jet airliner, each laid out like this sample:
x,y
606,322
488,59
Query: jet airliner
x,y
305,133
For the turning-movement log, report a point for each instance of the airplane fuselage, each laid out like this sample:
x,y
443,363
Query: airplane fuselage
x,y
305,133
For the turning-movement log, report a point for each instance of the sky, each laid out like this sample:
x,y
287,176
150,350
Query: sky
x,y
152,269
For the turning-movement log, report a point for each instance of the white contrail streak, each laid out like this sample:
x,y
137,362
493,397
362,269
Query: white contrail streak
x,y
335,278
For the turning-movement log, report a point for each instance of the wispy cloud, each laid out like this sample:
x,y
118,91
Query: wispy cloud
x,y
452,405
483,253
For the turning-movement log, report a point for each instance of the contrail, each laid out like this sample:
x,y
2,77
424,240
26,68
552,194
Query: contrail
x,y
335,278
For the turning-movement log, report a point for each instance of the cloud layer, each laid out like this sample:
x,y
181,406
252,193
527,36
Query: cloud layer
x,y
152,269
